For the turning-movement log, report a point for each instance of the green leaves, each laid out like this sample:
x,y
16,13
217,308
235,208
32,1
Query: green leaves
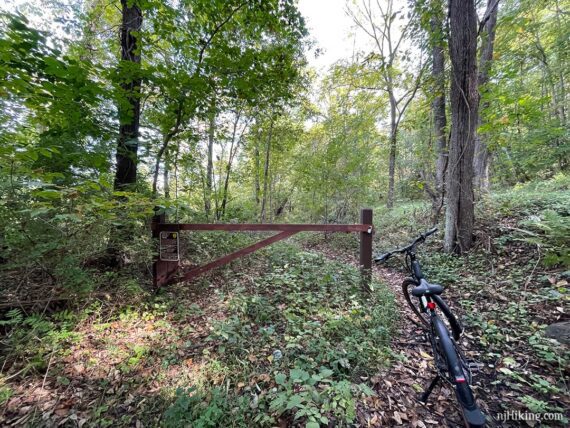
x,y
521,103
313,396
50,194
49,100
280,379
54,67
298,375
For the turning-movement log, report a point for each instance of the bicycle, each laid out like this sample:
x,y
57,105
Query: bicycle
x,y
450,363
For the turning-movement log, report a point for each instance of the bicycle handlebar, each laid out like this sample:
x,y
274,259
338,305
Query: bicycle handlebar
x,y
383,257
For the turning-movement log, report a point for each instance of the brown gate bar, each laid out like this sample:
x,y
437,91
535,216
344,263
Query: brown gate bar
x,y
165,272
173,227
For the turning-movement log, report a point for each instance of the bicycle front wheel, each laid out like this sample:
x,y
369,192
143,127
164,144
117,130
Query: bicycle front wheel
x,y
414,304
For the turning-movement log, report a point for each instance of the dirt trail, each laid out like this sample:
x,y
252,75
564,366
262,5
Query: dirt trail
x,y
399,386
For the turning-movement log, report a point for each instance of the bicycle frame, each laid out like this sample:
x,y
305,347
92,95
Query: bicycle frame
x,y
417,275
453,365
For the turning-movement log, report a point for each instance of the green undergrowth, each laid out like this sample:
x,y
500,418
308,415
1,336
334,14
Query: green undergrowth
x,y
395,226
285,337
532,198
509,288
308,334
538,214
506,306
348,242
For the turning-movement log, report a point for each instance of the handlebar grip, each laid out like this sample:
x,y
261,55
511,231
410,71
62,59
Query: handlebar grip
x,y
382,258
430,232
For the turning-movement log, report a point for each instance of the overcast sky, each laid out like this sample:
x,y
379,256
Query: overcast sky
x,y
332,29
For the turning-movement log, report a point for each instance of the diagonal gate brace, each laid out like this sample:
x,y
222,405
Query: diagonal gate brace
x,y
193,273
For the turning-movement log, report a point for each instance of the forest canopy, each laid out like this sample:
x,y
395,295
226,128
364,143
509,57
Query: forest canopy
x,y
210,109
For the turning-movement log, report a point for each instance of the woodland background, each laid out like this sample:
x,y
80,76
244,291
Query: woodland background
x,y
112,111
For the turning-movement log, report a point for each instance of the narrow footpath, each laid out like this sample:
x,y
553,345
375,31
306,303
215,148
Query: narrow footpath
x,y
399,386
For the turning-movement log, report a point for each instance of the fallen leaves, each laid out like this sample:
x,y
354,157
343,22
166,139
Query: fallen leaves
x,y
94,372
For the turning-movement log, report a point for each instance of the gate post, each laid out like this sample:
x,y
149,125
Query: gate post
x,y
366,249
162,270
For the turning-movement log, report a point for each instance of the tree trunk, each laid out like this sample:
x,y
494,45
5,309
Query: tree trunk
x,y
129,112
266,172
271,193
257,164
233,151
438,107
481,157
459,216
281,207
225,191
393,142
210,167
562,67
165,176
165,141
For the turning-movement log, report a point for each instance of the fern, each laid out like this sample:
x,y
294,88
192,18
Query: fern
x,y
14,318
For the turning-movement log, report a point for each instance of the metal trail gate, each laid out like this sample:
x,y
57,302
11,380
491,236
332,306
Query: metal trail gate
x,y
165,268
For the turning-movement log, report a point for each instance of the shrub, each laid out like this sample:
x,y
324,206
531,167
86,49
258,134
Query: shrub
x,y
552,233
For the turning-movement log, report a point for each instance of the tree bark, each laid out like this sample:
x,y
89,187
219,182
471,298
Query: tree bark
x,y
459,216
257,165
233,151
210,167
281,207
165,176
438,106
266,172
129,112
393,146
481,157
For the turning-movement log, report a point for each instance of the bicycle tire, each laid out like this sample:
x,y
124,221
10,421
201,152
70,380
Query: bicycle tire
x,y
472,415
406,284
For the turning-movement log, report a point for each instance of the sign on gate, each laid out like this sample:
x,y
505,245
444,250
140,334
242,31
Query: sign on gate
x,y
169,246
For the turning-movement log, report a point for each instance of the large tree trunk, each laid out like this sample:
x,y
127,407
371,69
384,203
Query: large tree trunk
x,y
129,120
129,113
459,216
393,144
481,157
438,106
210,167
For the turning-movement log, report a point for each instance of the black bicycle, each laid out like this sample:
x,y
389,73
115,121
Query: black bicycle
x,y
451,364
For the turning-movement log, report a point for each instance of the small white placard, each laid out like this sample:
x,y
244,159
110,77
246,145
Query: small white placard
x,y
169,246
